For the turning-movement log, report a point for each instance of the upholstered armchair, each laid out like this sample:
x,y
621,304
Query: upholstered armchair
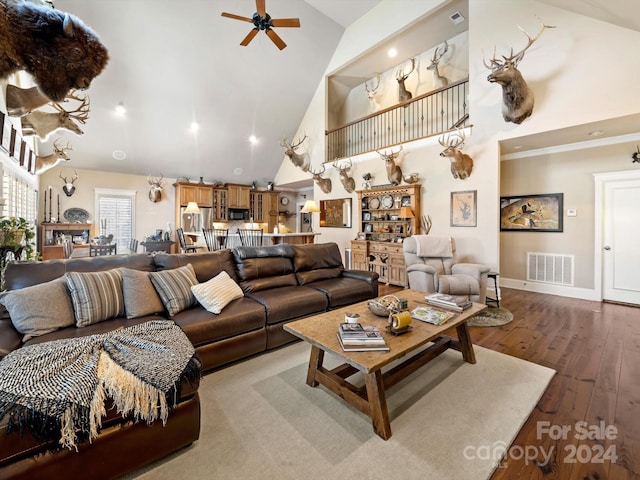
x,y
431,267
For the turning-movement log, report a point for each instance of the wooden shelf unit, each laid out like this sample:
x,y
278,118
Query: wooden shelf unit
x,y
382,231
49,232
264,208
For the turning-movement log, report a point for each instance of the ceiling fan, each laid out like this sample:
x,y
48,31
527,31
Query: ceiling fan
x,y
263,21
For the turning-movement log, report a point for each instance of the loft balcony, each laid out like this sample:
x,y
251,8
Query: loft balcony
x,y
426,115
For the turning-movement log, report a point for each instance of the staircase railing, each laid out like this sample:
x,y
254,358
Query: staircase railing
x,y
423,116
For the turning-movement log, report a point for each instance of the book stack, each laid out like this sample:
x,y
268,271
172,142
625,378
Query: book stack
x,y
355,337
451,302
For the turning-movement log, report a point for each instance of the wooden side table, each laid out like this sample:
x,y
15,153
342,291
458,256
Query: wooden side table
x,y
157,246
496,300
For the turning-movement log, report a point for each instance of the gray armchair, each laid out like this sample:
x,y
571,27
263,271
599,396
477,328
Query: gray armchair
x,y
431,267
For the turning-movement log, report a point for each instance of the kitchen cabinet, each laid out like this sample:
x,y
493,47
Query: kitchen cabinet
x,y
201,194
264,208
238,196
219,213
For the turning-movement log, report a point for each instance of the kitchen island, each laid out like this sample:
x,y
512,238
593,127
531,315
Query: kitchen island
x,y
233,239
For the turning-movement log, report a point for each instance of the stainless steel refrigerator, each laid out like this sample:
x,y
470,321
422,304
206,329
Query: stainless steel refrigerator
x,y
195,222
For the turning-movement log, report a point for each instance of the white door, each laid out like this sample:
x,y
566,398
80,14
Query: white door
x,y
621,242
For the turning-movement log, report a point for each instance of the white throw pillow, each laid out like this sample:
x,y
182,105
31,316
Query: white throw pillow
x,y
217,293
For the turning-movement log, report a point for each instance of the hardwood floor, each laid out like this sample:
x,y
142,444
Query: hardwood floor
x,y
595,395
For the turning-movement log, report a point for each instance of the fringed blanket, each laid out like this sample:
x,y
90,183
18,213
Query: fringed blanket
x,y
433,246
57,389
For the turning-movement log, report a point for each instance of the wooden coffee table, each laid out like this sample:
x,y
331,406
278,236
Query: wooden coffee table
x,y
321,332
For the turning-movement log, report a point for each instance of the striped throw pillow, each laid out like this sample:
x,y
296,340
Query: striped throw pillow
x,y
96,296
174,288
217,293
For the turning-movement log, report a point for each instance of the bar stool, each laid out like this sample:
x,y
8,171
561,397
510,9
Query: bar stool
x,y
496,300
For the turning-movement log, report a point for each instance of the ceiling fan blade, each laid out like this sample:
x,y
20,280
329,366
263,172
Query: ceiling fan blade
x,y
260,8
276,39
236,17
249,37
285,22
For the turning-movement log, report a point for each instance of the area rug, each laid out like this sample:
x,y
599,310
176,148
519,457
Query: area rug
x,y
261,421
491,316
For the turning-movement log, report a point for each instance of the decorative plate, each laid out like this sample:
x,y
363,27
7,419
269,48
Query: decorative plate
x,y
387,201
76,215
374,203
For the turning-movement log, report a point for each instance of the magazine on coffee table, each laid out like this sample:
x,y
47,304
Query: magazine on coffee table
x,y
431,315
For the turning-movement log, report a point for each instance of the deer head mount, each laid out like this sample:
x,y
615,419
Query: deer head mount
x,y
394,173
49,161
636,155
43,124
401,76
323,183
348,182
300,160
461,163
157,184
517,98
373,103
438,80
68,188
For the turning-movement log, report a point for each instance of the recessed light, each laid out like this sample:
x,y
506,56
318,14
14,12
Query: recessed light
x,y
517,147
596,133
195,126
238,171
120,109
253,139
119,155
392,52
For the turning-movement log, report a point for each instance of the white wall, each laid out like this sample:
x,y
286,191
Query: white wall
x,y
564,69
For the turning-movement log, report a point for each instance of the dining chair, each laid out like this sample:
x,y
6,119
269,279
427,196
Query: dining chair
x,y
250,237
99,250
215,238
67,248
133,245
186,248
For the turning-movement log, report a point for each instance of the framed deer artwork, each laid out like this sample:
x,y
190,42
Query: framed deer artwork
x,y
464,209
532,213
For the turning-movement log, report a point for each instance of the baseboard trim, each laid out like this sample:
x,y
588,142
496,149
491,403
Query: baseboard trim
x,y
563,291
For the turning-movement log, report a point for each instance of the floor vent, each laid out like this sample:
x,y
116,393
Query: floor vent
x,y
550,268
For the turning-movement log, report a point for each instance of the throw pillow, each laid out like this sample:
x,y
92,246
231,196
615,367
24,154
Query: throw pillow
x,y
174,288
140,297
39,309
96,296
217,293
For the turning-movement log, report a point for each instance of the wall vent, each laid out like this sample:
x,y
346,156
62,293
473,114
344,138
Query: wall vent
x,y
550,268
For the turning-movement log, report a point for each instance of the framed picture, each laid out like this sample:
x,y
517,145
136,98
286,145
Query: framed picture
x,y
531,213
368,228
366,216
406,201
362,236
463,209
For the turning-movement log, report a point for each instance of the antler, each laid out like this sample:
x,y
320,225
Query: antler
x,y
389,155
400,75
342,168
81,113
284,143
317,174
152,181
451,143
73,179
515,59
373,90
437,57
61,150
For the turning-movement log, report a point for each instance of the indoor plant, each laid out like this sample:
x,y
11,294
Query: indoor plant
x,y
16,232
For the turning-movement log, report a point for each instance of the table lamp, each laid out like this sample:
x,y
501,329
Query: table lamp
x,y
310,207
193,209
406,214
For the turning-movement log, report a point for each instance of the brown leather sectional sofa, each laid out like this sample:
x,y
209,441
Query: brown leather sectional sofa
x,y
281,283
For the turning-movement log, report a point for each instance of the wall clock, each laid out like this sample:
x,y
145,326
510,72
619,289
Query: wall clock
x,y
284,200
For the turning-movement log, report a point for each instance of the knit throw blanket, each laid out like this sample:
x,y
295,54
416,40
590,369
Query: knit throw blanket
x,y
58,389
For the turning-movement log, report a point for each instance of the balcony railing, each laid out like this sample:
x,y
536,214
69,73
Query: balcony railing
x,y
424,116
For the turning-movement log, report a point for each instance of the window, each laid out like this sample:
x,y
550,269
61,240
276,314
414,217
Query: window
x,y
115,215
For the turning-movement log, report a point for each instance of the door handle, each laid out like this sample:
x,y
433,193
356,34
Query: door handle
x,y
607,247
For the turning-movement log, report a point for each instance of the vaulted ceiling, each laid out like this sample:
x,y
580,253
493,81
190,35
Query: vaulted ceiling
x,y
174,63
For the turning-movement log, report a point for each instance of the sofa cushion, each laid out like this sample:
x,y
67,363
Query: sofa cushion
x,y
344,290
261,268
217,293
206,264
286,303
313,262
174,288
140,297
39,309
96,296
